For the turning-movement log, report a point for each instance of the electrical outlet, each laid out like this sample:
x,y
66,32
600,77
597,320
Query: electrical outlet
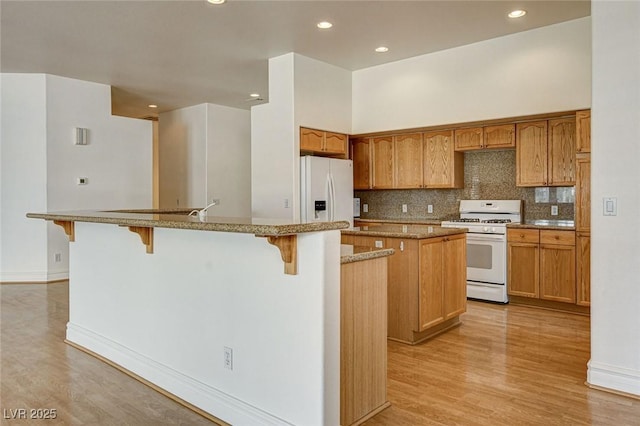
x,y
286,203
404,208
57,257
228,358
82,181
430,208
365,208
554,210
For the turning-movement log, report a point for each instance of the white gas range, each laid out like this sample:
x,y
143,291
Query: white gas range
x,y
486,221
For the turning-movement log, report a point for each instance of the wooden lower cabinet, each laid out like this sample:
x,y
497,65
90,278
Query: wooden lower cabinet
x,y
542,264
583,269
363,340
427,284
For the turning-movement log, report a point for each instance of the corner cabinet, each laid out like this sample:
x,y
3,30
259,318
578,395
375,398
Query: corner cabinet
x,y
322,142
583,131
583,207
545,153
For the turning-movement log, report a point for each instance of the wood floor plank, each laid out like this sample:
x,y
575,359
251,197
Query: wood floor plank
x,y
506,365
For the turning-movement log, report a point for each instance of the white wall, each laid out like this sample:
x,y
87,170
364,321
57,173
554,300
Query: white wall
x,y
615,240
302,92
182,141
23,184
537,71
41,164
205,153
229,160
283,329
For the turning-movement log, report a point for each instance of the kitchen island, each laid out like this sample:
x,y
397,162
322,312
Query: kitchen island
x,y
238,318
427,285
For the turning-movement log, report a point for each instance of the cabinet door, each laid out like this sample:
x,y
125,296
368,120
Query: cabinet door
x,y
503,136
583,269
523,268
467,139
311,140
383,162
583,193
361,156
431,295
583,131
402,288
455,276
408,160
443,167
562,152
335,143
531,154
558,273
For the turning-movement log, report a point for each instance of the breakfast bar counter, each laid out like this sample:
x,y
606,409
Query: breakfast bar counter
x,y
203,310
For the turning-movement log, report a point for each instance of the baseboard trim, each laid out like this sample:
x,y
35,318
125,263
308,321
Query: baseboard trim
x,y
31,277
201,398
613,379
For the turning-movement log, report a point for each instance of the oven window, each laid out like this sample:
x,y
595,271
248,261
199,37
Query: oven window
x,y
479,256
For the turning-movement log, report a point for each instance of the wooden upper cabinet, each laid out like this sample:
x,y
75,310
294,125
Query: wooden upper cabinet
x,y
531,154
583,131
311,139
561,155
408,160
322,142
335,143
443,167
470,138
502,136
382,163
361,156
583,193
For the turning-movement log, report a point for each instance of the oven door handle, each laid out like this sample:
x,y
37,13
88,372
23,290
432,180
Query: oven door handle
x,y
485,237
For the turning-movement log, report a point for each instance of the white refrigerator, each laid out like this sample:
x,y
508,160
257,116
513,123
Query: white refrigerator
x,y
326,189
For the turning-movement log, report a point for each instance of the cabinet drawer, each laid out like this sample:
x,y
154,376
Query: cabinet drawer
x,y
566,238
523,235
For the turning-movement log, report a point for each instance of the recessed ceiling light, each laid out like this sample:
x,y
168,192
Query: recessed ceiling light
x,y
153,106
517,13
324,25
382,49
216,1
255,95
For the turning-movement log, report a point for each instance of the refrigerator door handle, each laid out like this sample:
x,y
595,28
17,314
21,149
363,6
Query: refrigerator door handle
x,y
332,198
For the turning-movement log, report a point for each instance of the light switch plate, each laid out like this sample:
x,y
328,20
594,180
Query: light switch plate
x,y
610,206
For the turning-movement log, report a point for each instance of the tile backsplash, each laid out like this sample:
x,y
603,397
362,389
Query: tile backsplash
x,y
488,175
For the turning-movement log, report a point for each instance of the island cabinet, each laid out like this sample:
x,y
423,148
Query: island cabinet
x,y
322,142
541,264
363,338
545,153
426,282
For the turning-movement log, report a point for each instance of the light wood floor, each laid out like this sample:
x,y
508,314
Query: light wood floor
x,y
504,366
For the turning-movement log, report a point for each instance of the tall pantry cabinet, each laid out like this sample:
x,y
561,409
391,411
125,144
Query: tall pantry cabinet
x,y
583,207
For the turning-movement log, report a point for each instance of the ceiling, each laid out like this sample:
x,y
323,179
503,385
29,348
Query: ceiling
x,y
179,53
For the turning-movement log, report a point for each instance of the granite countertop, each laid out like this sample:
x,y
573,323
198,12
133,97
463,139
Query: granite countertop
x,y
565,225
350,254
403,231
180,219
403,221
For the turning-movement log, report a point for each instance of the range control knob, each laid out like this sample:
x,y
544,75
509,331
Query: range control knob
x,y
485,229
